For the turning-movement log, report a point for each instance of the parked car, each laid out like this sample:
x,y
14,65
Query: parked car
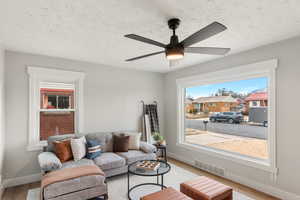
x,y
230,117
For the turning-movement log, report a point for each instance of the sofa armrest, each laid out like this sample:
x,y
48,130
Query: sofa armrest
x,y
147,148
48,161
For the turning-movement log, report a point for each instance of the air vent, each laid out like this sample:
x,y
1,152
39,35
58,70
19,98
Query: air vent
x,y
210,168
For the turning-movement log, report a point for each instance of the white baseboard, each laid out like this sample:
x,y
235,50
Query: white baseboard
x,y
10,182
276,192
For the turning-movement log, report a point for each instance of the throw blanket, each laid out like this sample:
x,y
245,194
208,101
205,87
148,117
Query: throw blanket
x,y
68,174
151,111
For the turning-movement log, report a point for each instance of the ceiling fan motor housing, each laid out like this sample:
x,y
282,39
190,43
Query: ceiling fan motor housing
x,y
173,23
174,50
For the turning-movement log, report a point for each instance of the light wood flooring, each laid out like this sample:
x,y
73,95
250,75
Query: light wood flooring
x,y
20,192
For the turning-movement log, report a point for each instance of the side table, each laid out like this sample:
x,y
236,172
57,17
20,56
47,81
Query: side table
x,y
163,149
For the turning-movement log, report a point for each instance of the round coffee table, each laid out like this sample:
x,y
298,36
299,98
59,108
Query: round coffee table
x,y
161,171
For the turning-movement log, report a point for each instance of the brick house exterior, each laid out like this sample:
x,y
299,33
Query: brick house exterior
x,y
189,108
55,116
215,104
256,99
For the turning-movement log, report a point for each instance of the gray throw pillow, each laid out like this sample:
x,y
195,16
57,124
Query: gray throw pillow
x,y
48,161
147,148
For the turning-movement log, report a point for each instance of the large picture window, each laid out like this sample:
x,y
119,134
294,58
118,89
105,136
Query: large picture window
x,y
230,114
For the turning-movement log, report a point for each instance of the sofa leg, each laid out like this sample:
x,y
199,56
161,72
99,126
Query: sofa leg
x,y
105,196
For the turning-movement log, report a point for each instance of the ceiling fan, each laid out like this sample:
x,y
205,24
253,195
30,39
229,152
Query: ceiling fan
x,y
175,50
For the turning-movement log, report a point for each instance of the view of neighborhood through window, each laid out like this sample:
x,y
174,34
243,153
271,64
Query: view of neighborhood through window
x,y
229,116
56,112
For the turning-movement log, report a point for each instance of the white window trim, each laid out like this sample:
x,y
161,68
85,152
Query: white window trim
x,y
255,70
38,75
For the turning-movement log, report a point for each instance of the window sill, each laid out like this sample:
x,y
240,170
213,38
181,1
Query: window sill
x,y
237,158
37,147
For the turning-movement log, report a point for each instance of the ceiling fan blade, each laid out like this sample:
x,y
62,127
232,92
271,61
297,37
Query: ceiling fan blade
x,y
207,50
204,33
143,56
145,40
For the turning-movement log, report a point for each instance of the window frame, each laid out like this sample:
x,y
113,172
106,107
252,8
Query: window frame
x,y
38,75
255,70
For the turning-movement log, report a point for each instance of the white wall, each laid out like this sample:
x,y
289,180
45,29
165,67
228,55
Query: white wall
x,y
287,118
2,112
111,102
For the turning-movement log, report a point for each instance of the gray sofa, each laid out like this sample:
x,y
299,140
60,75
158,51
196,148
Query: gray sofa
x,y
111,164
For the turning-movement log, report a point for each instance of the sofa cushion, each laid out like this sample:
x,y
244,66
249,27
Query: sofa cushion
x,y
73,185
109,160
105,139
72,163
135,155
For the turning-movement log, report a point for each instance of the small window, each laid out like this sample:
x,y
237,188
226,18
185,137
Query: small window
x,y
55,104
254,103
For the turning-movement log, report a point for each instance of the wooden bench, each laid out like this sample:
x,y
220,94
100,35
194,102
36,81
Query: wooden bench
x,y
206,189
166,194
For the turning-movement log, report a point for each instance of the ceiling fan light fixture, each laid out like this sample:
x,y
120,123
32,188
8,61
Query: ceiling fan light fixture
x,y
175,49
174,54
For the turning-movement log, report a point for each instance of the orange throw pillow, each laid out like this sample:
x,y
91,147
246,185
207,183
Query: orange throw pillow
x,y
63,150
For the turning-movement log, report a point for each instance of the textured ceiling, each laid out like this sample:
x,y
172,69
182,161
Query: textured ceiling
x,y
92,30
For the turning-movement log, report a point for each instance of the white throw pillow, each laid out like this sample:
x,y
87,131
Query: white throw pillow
x,y
78,146
134,141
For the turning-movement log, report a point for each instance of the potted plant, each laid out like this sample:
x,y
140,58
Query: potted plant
x,y
159,139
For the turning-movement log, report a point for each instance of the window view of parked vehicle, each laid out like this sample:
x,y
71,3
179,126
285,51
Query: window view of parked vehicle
x,y
230,117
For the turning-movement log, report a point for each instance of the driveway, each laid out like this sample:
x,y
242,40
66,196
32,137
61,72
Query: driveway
x,y
244,130
242,145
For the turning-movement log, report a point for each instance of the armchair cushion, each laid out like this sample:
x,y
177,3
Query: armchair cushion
x,y
147,148
48,161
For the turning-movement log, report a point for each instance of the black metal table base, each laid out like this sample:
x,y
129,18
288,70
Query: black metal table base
x,y
161,185
163,168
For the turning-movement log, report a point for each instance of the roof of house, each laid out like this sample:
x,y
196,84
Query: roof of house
x,y
188,100
257,96
214,99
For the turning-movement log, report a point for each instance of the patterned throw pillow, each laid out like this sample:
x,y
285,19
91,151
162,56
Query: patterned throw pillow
x,y
93,149
78,146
